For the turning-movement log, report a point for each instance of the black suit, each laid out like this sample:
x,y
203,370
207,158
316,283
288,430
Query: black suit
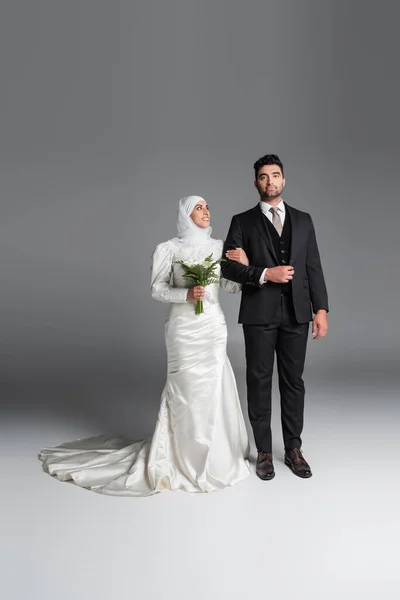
x,y
275,316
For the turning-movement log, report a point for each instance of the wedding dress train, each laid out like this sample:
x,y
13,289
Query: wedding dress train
x,y
200,442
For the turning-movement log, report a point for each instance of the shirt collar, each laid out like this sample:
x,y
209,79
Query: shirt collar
x,y
265,206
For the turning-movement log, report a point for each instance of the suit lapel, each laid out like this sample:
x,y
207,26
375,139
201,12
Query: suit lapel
x,y
259,220
296,241
261,225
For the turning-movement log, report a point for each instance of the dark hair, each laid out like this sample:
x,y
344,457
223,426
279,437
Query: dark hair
x,y
268,159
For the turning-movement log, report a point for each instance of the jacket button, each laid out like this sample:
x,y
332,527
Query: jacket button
x,y
283,251
284,261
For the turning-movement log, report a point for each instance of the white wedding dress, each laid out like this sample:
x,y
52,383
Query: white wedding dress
x,y
200,442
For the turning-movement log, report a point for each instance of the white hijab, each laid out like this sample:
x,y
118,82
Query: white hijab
x,y
188,231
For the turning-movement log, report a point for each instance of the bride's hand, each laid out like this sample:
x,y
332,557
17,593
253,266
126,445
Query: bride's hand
x,y
195,293
238,255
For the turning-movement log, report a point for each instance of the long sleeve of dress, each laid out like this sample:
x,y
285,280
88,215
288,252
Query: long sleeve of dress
x,y
161,275
230,286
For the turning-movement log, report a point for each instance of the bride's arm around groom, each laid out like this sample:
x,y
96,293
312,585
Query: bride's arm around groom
x,y
236,271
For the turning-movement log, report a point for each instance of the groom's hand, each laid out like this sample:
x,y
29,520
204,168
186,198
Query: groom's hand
x,y
320,325
281,274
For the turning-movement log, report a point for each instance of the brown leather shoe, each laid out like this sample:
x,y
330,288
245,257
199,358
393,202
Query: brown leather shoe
x,y
296,462
265,466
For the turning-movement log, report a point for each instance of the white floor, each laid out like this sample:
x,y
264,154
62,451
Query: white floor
x,y
332,536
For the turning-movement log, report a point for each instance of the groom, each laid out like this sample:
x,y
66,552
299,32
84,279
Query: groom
x,y
282,287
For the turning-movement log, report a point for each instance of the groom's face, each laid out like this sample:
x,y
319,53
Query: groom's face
x,y
270,182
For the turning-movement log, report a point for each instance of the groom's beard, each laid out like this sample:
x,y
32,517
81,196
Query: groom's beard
x,y
266,195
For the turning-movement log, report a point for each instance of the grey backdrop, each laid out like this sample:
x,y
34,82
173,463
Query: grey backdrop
x,y
109,113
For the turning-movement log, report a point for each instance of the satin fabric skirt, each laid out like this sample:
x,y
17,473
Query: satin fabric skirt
x,y
200,443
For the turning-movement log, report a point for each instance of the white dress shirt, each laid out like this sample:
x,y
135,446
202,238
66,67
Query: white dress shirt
x,y
282,213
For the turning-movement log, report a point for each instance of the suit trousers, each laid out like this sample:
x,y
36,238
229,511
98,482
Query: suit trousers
x,y
288,339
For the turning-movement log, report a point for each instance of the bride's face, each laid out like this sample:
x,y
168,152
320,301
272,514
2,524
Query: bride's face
x,y
200,215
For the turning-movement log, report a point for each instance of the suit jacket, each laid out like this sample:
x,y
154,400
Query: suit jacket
x,y
259,303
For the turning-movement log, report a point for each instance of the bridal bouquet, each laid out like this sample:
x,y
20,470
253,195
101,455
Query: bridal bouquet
x,y
201,274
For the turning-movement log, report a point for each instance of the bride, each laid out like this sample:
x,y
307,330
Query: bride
x,y
200,442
